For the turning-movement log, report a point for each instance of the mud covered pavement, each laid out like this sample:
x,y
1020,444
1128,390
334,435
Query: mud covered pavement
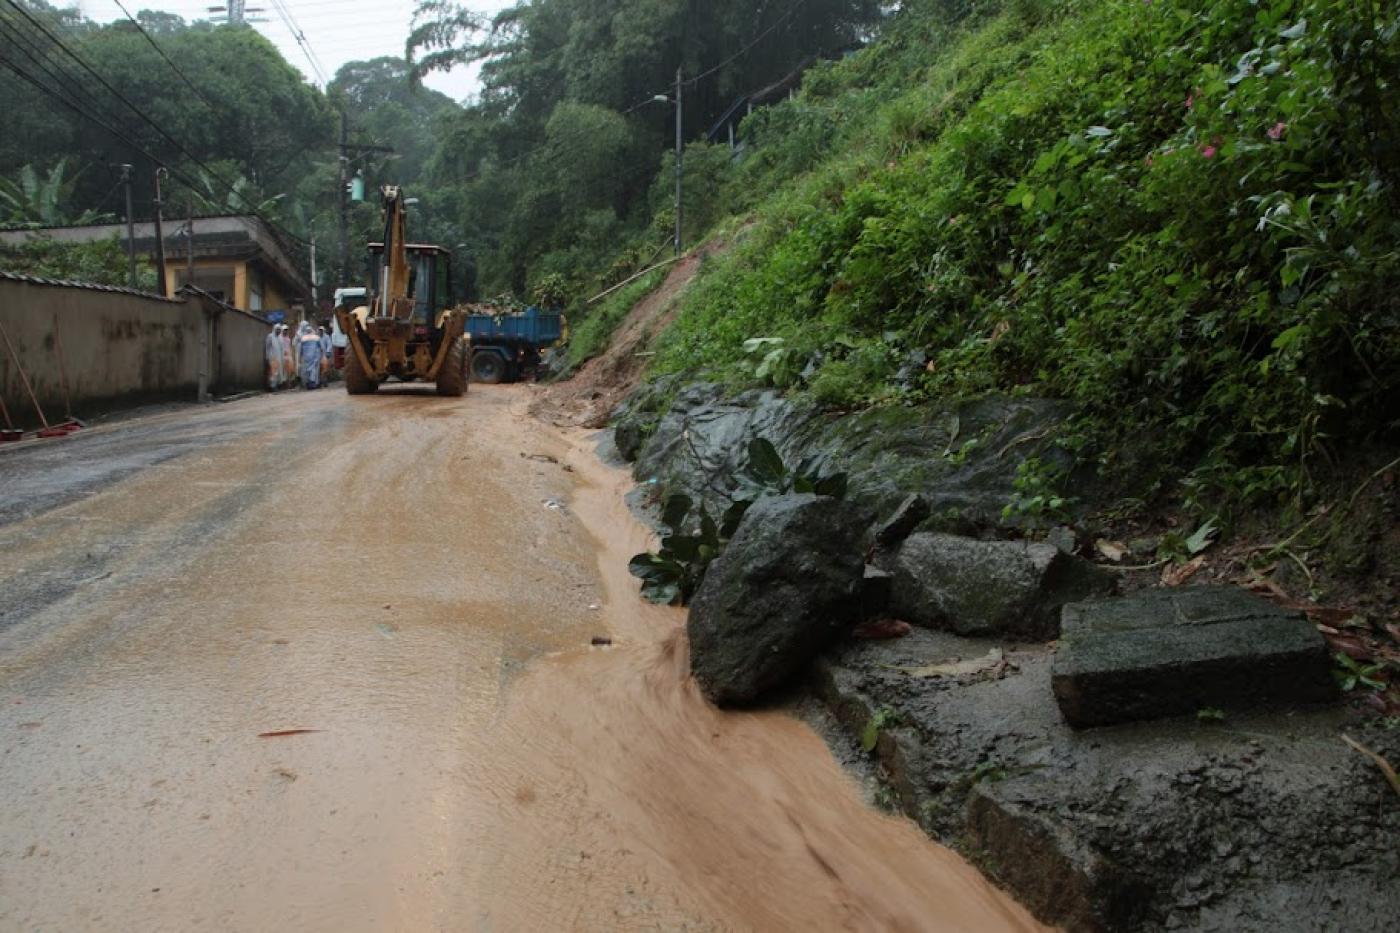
x,y
415,582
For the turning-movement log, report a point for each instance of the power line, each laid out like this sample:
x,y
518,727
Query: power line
x,y
161,52
748,48
300,36
77,108
231,188
45,64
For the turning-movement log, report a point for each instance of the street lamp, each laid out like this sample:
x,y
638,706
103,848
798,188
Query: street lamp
x,y
680,150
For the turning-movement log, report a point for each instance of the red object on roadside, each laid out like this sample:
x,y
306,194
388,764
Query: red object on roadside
x,y
882,629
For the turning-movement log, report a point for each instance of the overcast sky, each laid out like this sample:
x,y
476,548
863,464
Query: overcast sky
x,y
338,31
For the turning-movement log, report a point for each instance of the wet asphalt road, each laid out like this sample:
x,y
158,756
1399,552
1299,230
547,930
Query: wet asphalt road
x,y
375,569
307,662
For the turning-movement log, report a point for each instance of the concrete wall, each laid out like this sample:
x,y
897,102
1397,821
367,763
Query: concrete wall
x,y
119,348
237,350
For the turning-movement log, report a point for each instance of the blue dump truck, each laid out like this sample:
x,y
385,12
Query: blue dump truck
x,y
508,347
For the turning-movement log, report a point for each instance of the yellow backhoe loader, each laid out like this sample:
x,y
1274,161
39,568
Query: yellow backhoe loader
x,y
409,329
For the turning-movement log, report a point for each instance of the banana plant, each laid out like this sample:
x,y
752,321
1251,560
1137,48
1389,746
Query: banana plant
x,y
40,200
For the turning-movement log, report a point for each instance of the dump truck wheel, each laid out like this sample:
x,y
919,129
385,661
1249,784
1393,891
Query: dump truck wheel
x,y
452,380
357,381
488,367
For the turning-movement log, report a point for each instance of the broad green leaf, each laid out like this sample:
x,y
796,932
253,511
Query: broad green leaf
x,y
1289,337
680,547
764,462
1201,538
1017,194
675,511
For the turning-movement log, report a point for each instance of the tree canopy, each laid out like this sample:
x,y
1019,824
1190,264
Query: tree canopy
x,y
549,171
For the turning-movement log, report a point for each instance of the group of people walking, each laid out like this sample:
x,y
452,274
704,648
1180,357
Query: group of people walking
x,y
305,358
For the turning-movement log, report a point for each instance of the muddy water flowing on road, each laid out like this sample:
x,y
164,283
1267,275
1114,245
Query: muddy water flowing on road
x,y
412,578
729,820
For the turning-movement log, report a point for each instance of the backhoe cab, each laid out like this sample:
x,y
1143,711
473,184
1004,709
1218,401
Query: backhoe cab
x,y
408,329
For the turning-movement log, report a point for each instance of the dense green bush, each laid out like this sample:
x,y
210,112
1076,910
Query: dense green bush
x,y
103,262
1180,214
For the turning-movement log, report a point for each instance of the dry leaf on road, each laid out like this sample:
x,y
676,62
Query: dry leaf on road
x,y
1177,574
1113,550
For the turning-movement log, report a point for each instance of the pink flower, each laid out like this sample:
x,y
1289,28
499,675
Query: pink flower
x,y
1208,152
1277,130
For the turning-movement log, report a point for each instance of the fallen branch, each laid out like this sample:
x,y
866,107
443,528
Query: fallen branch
x,y
1025,439
1351,503
659,265
1386,768
1121,569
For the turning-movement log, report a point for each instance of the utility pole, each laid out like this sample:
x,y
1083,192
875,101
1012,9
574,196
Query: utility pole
x,y
343,196
130,230
313,271
680,157
189,246
160,240
205,320
344,244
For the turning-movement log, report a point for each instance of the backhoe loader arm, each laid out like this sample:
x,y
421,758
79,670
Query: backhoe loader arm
x,y
394,301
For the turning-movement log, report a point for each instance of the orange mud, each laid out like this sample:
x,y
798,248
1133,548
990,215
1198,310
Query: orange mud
x,y
736,821
407,586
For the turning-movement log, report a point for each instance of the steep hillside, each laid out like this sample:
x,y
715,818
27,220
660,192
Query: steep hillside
x,y
1180,215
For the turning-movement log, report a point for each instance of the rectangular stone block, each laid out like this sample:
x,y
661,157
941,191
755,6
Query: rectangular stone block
x,y
1175,651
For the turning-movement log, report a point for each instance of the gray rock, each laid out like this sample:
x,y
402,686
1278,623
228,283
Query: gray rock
x,y
910,514
1053,871
629,433
1063,538
1254,823
1173,652
961,457
1002,588
787,585
636,419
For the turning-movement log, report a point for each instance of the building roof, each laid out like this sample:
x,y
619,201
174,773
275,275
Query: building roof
x,y
200,293
89,286
223,236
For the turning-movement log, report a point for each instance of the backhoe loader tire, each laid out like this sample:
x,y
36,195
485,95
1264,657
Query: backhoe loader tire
x,y
488,368
357,381
452,379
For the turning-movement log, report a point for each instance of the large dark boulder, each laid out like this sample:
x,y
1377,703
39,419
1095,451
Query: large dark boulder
x,y
993,588
787,585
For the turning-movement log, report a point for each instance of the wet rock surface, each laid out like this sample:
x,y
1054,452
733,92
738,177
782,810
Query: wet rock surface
x,y
972,587
961,457
1254,817
1262,821
1175,651
788,584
